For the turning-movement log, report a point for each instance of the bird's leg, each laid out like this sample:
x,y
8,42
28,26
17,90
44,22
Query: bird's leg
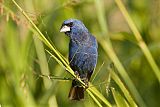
x,y
85,80
86,83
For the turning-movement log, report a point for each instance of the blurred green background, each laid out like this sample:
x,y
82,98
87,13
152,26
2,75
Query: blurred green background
x,y
23,57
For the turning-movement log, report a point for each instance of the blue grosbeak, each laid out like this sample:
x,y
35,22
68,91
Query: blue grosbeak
x,y
82,54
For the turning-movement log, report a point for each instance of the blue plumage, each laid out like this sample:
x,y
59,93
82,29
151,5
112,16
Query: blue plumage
x,y
82,54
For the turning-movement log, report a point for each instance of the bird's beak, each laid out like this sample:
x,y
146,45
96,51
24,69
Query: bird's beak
x,y
65,28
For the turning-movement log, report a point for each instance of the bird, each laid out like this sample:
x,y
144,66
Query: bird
x,y
82,55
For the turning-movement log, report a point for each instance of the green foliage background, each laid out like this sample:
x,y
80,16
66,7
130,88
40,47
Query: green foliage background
x,y
23,57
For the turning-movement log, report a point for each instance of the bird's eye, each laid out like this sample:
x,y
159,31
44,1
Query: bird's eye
x,y
70,24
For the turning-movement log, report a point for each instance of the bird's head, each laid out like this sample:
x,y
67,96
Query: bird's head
x,y
73,26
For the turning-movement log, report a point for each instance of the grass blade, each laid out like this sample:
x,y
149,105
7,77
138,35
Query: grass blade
x,y
139,39
99,95
109,50
93,97
123,88
120,101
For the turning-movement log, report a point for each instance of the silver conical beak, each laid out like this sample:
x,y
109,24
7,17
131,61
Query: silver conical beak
x,y
65,29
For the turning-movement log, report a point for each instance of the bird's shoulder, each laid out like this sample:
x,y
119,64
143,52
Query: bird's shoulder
x,y
93,41
88,41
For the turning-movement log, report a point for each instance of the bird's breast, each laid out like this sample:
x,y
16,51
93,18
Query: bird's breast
x,y
82,58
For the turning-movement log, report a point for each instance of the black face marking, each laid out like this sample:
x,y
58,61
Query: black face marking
x,y
69,24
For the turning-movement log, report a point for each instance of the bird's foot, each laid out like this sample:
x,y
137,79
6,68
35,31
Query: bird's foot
x,y
77,74
86,82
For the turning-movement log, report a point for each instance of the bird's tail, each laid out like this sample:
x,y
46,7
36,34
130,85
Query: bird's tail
x,y
76,91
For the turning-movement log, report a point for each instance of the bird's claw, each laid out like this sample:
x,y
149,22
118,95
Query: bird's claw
x,y
86,82
77,74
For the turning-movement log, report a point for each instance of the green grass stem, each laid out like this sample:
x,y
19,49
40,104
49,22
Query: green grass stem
x,y
94,98
109,50
139,39
123,88
120,101
107,46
